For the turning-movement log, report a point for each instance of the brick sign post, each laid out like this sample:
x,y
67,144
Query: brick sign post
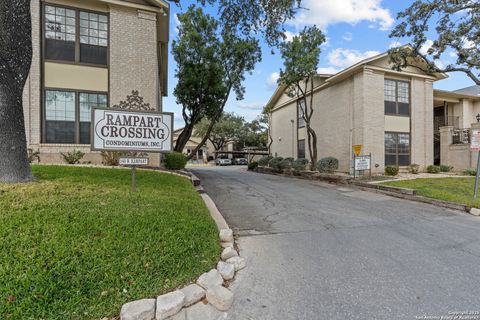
x,y
475,147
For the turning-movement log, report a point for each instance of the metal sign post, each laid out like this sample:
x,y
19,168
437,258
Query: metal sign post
x,y
133,163
475,147
362,163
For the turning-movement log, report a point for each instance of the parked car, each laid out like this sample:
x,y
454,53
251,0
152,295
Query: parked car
x,y
240,161
223,162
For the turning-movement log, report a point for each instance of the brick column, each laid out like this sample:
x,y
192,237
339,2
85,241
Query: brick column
x,y
445,143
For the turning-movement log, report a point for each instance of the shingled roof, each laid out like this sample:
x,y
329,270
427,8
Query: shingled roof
x,y
471,91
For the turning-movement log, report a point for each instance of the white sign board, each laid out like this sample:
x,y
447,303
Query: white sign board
x,y
121,130
133,161
475,141
362,163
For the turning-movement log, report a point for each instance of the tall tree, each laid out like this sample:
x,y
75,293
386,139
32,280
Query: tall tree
x,y
254,133
224,59
228,129
457,31
253,16
200,88
300,59
15,61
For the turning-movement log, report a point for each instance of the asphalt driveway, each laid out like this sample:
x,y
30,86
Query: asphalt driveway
x,y
320,251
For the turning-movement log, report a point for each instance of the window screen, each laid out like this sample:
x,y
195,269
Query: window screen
x,y
397,149
62,42
93,38
60,33
397,97
87,102
301,148
68,115
301,112
60,117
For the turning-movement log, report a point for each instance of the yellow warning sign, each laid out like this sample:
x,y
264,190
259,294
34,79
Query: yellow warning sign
x,y
357,148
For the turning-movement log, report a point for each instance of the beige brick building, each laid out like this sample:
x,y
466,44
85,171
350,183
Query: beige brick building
x,y
388,113
455,114
90,53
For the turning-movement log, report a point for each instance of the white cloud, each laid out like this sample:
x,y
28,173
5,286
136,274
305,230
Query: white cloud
x,y
453,54
327,70
348,36
394,44
250,105
289,35
468,44
343,58
272,80
176,23
425,47
324,13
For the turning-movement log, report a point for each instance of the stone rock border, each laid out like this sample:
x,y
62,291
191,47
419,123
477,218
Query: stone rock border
x,y
206,299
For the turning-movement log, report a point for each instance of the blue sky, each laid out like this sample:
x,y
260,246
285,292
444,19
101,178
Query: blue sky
x,y
355,29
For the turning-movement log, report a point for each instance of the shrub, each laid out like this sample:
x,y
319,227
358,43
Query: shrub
x,y
277,164
73,157
288,162
300,164
445,168
253,165
391,170
470,172
263,162
433,169
414,168
33,155
328,165
110,158
175,160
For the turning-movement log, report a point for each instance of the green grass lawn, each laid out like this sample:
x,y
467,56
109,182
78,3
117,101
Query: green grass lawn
x,y
459,190
76,244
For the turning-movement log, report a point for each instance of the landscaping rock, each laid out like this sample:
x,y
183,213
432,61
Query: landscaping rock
x,y
228,253
169,304
227,270
226,235
220,297
182,315
475,211
238,262
227,244
203,311
210,279
193,293
138,310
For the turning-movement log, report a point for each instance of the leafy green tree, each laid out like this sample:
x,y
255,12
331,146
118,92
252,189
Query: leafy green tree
x,y
457,30
227,129
254,133
200,88
300,59
249,17
211,64
15,61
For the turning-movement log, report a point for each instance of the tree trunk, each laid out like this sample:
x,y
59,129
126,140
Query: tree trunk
x,y
14,166
15,61
183,138
212,123
270,139
207,134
